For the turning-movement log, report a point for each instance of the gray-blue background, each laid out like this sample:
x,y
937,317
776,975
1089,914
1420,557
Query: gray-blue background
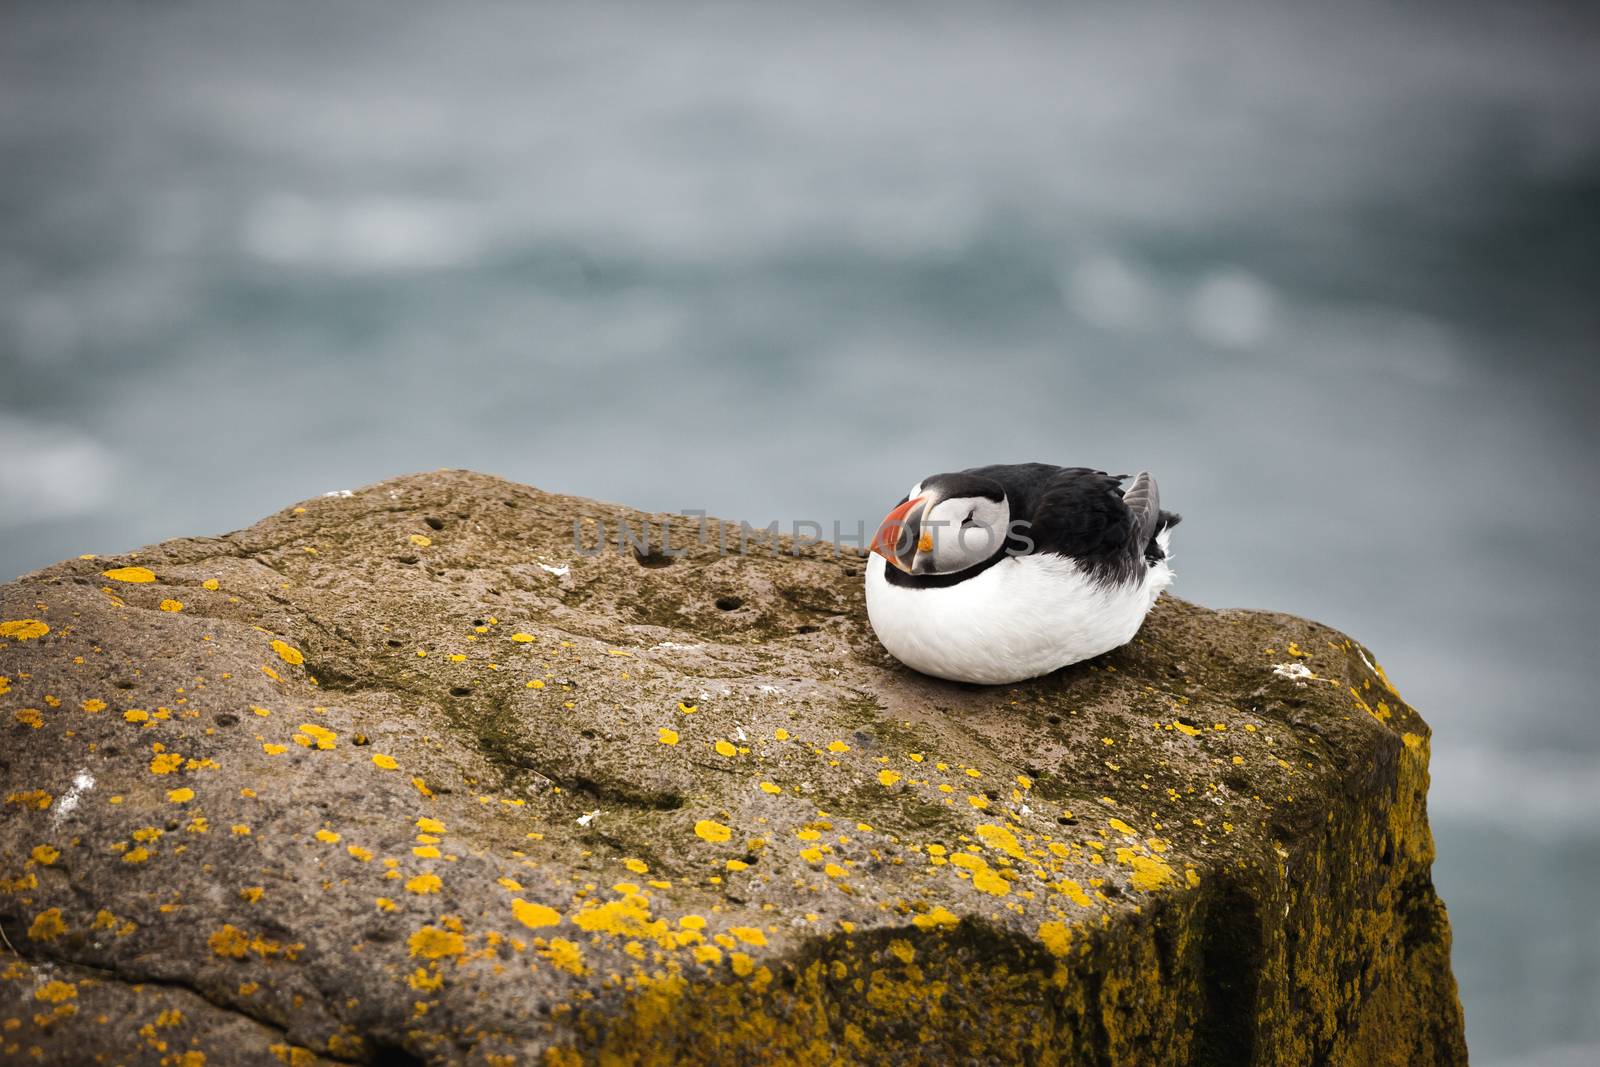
x,y
1329,271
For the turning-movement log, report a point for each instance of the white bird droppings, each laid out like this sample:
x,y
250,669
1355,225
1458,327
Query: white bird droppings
x,y
82,782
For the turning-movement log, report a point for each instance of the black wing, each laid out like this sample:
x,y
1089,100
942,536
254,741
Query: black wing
x,y
1084,514
1081,513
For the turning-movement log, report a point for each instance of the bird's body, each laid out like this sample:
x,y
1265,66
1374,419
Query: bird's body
x,y
1070,573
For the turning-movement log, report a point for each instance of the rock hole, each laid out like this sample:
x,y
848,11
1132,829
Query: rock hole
x,y
479,622
392,643
433,523
406,559
806,629
729,603
1066,820
750,859
849,572
1188,722
1111,889
991,794
509,503
460,691
652,559
227,718
1053,720
588,734
361,739
123,683
1237,782
388,1054
1230,963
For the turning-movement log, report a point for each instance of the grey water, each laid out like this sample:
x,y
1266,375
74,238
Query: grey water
x,y
1330,271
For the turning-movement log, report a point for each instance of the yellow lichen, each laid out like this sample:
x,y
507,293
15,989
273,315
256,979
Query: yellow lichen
x,y
566,955
1056,937
47,925
714,832
288,653
936,916
55,991
387,763
628,917
424,883
322,737
534,916
424,980
1149,873
23,629
132,575
432,943
1001,839
229,942
165,763
988,881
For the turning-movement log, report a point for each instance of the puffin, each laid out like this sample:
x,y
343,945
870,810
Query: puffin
x,y
997,574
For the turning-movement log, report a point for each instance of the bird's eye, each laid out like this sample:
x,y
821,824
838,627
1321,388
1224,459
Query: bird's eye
x,y
968,520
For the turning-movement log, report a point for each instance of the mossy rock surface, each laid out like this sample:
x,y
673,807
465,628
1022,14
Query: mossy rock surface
x,y
400,776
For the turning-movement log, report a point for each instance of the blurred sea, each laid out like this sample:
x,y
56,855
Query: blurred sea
x,y
1330,271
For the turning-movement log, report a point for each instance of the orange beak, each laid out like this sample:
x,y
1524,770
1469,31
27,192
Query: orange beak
x,y
897,539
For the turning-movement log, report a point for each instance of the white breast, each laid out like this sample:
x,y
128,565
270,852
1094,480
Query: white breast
x,y
1023,617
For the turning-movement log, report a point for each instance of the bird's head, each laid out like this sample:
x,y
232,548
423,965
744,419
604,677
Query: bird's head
x,y
947,523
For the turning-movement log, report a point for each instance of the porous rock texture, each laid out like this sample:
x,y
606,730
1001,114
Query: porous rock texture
x,y
401,776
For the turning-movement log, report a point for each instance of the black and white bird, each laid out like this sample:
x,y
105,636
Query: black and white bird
x,y
1006,572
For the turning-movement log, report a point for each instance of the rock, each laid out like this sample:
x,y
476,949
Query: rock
x,y
401,776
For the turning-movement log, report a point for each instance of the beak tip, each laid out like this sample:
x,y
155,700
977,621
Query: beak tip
x,y
887,541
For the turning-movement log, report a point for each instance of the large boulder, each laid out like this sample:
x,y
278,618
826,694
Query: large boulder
x,y
406,776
